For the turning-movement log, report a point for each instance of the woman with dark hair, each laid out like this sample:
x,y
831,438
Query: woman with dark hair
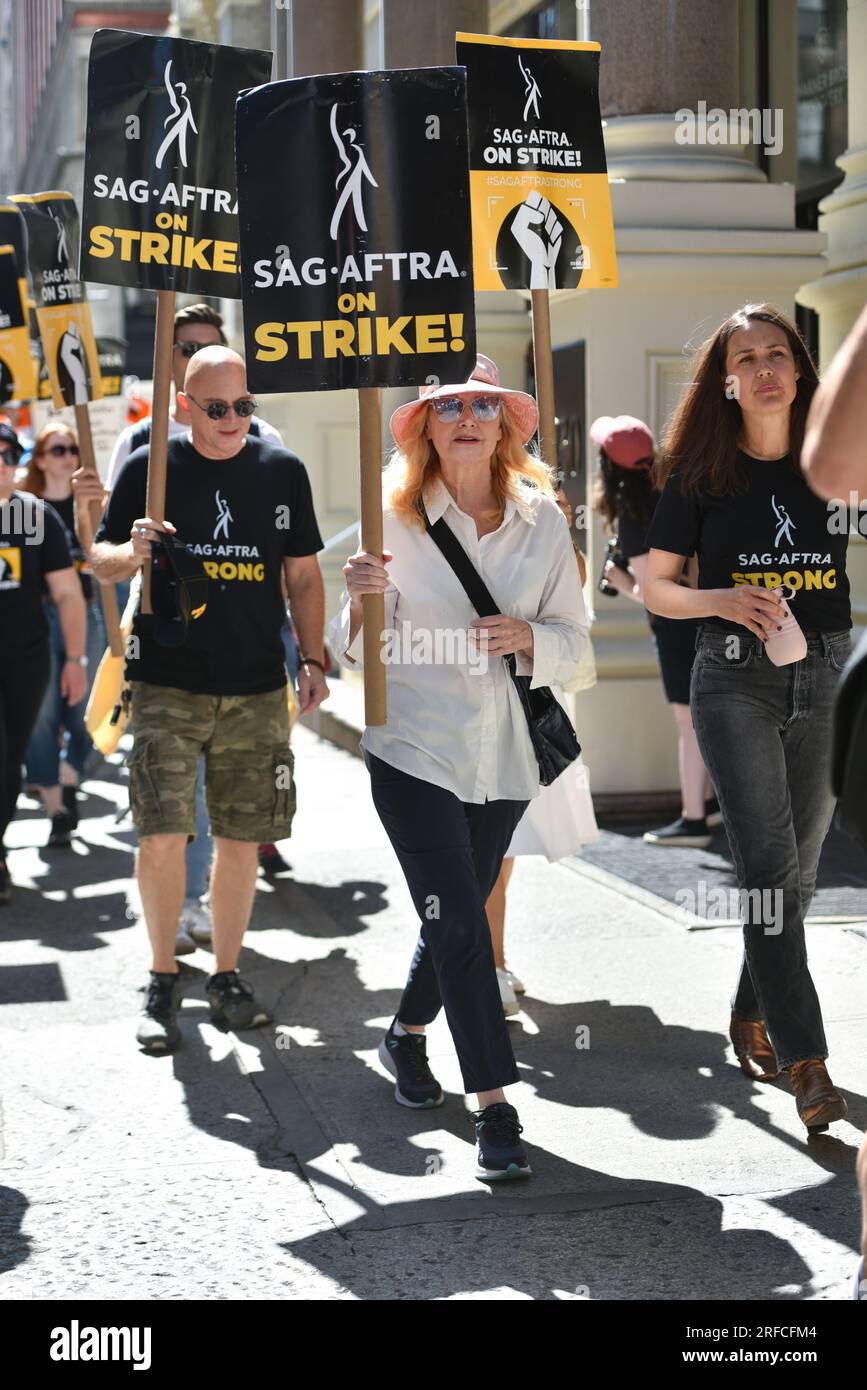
x,y
734,493
626,498
60,724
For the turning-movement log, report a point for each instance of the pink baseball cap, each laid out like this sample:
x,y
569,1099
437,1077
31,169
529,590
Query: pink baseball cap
x,y
626,440
520,406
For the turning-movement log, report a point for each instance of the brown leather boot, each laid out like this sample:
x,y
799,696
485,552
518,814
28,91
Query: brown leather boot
x,y
818,1102
753,1049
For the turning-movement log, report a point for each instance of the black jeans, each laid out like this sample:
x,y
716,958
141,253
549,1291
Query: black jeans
x,y
450,852
765,735
23,682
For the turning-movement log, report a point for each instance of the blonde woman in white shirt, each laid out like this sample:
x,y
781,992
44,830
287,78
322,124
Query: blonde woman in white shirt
x,y
453,769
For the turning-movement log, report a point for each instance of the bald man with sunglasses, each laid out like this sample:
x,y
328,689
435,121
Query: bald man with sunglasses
x,y
244,507
197,326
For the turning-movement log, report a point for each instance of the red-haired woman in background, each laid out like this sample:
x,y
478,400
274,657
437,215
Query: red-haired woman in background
x,y
60,743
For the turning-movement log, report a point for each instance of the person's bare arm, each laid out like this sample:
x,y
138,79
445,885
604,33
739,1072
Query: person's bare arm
x,y
64,588
113,563
746,604
307,604
628,581
834,458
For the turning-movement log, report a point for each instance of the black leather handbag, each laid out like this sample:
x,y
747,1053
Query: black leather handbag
x,y
849,752
554,740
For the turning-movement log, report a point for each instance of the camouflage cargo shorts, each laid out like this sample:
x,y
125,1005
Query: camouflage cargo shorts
x,y
249,767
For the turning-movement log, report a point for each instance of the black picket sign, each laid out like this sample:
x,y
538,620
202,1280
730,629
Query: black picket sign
x,y
356,248
160,198
13,232
541,202
62,311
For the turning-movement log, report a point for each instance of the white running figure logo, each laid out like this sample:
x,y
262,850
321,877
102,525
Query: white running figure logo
x,y
70,354
785,523
353,176
182,116
62,247
224,516
531,87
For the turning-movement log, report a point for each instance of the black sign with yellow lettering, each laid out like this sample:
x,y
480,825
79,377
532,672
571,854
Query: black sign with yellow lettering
x,y
13,232
112,364
62,311
355,230
159,179
541,204
16,364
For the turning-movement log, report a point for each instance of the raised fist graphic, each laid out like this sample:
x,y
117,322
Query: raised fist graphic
x,y
539,233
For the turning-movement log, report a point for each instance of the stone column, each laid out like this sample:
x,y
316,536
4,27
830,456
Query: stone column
x,y
838,296
423,35
326,36
681,53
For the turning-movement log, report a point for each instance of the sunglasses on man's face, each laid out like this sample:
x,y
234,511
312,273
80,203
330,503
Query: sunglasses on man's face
x,y
191,347
8,458
449,409
217,410
58,450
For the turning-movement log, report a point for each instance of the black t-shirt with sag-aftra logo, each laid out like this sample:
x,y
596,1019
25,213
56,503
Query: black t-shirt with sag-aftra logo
x,y
242,516
33,543
776,532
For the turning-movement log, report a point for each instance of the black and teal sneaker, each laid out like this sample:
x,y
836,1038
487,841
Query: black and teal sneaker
x,y
499,1153
233,1003
406,1058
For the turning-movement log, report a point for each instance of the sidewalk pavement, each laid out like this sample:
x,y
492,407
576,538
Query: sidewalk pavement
x,y
276,1164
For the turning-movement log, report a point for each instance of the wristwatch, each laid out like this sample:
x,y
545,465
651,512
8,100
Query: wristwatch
x,y
77,661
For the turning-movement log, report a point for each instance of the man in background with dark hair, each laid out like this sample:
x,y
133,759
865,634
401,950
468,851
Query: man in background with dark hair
x,y
196,327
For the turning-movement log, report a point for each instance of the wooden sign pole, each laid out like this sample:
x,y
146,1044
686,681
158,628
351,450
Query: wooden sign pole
x,y
370,441
544,368
109,592
164,338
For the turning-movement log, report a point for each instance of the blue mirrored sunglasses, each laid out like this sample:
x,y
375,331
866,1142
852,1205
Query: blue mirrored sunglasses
x,y
451,408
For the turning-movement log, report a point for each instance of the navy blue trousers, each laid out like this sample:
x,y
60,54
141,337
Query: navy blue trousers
x,y
450,852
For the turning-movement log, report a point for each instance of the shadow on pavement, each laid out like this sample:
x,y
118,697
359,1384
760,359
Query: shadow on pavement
x,y
14,1244
313,1097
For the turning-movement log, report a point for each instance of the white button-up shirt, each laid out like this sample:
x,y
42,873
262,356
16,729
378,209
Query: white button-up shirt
x,y
454,716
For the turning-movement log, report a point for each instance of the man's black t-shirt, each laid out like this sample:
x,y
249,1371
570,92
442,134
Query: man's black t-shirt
x,y
33,543
241,516
776,532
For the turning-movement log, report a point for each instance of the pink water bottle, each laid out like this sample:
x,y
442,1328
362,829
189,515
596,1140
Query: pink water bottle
x,y
789,644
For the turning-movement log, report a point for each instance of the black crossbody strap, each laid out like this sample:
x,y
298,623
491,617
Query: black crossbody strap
x,y
473,585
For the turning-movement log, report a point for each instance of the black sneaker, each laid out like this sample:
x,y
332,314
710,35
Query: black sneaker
x,y
712,812
682,834
233,1003
271,860
500,1153
70,804
406,1058
5,883
158,1031
62,826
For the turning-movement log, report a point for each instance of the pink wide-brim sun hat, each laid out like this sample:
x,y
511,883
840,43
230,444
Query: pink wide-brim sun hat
x,y
485,381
